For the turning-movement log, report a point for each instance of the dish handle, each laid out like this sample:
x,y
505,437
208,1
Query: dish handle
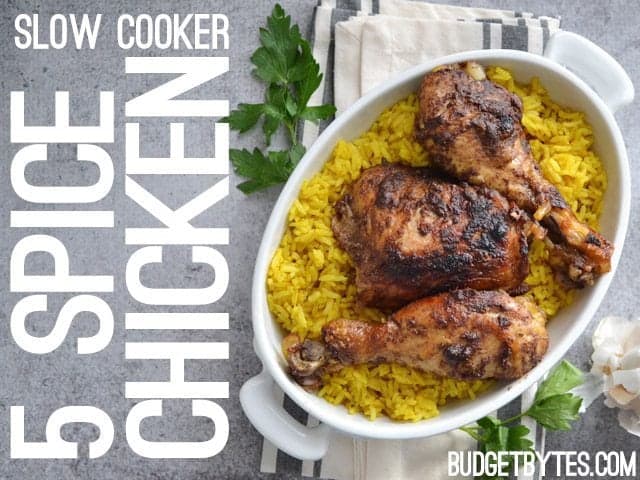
x,y
595,66
268,416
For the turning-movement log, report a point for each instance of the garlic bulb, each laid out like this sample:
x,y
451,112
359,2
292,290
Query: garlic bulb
x,y
616,369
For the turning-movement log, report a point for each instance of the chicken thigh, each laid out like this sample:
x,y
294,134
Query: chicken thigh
x,y
471,129
411,234
464,334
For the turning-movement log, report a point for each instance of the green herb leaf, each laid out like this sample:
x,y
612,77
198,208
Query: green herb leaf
x,y
245,117
496,439
264,171
279,51
280,37
309,73
562,379
315,114
268,66
494,436
488,422
517,441
276,99
261,171
472,432
275,111
290,105
269,127
557,411
246,163
553,408
284,61
296,153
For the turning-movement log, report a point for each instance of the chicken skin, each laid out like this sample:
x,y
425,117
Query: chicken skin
x,y
412,234
464,334
471,129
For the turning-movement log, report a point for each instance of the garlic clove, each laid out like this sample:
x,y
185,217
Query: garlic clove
x,y
619,395
607,356
631,359
610,328
628,379
632,336
616,362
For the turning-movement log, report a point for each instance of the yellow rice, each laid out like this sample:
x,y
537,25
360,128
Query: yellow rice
x,y
311,280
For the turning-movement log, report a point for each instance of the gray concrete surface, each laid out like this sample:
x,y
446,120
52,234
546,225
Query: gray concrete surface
x,y
44,383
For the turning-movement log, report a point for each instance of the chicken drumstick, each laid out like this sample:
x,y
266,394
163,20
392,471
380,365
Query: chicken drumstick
x,y
471,129
466,334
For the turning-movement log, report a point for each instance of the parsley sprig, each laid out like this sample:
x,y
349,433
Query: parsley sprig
x,y
554,407
285,63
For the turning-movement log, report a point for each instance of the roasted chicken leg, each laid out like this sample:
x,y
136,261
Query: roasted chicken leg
x,y
471,129
465,334
411,234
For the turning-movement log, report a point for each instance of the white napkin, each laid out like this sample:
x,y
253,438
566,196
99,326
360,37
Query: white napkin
x,y
615,370
371,49
422,459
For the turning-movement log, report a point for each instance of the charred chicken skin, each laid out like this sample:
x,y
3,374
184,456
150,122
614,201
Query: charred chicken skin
x,y
471,129
411,234
464,334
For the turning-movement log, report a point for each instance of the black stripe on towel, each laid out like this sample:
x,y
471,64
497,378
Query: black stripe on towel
x,y
486,35
544,23
337,15
284,462
515,37
287,464
295,411
510,410
486,30
539,446
375,7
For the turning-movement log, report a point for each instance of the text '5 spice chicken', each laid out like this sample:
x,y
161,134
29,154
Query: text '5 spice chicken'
x,y
471,129
465,334
412,234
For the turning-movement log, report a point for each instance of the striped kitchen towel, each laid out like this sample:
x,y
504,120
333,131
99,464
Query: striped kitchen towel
x,y
358,44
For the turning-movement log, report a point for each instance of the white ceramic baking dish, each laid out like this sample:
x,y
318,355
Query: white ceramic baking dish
x,y
577,74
